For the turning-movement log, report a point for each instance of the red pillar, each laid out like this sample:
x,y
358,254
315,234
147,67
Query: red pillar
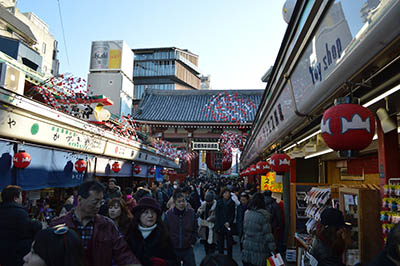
x,y
293,177
388,155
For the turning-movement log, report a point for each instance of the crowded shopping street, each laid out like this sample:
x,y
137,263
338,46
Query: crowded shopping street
x,y
180,133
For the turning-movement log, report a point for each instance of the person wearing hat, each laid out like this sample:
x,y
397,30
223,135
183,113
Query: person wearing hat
x,y
148,237
331,238
206,212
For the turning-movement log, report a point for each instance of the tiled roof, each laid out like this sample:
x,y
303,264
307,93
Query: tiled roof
x,y
190,106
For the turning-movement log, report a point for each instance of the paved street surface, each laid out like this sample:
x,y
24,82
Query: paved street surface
x,y
200,254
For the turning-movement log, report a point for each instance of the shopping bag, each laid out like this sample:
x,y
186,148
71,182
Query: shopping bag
x,y
275,260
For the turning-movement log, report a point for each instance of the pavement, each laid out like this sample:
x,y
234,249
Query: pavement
x,y
200,254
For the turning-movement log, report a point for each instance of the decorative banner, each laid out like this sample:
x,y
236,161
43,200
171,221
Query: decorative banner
x,y
165,148
229,108
268,183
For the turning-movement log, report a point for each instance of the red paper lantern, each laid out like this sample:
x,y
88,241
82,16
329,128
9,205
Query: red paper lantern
x,y
152,171
116,167
226,161
21,159
262,167
163,171
253,169
80,166
137,169
280,163
347,127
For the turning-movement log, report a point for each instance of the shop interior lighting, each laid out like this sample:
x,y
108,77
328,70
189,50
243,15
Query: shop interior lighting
x,y
318,153
291,146
380,97
309,137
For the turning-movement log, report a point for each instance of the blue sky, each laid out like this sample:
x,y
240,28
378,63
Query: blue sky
x,y
236,40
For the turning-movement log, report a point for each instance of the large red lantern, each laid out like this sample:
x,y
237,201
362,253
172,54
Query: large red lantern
x,y
116,167
137,169
347,127
21,159
262,167
152,171
253,169
280,163
218,161
80,166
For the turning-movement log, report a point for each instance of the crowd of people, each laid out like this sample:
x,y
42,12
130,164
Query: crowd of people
x,y
159,224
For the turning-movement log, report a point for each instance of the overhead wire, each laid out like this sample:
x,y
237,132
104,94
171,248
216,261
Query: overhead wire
x,y
63,32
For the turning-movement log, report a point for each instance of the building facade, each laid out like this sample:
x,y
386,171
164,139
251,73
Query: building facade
x,y
25,37
168,68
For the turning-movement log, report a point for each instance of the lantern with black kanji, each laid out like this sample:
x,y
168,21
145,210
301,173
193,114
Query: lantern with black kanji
x,y
152,171
116,167
280,163
21,159
262,168
137,169
347,127
80,166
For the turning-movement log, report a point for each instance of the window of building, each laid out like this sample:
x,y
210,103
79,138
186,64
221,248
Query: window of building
x,y
44,48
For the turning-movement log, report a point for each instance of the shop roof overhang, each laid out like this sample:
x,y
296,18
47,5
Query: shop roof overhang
x,y
355,65
26,120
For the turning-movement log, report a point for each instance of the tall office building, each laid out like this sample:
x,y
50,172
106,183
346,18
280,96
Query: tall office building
x,y
168,68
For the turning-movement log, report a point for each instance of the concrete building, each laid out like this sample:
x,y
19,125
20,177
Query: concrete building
x,y
205,82
111,67
25,37
167,68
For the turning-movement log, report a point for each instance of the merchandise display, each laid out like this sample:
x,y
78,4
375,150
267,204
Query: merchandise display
x,y
317,200
390,213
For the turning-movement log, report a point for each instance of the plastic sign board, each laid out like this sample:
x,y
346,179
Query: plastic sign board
x,y
268,183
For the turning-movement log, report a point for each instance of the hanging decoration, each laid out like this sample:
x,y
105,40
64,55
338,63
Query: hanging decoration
x,y
137,169
230,140
347,127
229,108
262,167
116,167
80,166
152,171
280,163
217,161
163,171
21,159
252,169
164,147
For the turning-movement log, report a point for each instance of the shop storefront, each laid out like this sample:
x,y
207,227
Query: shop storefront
x,y
333,50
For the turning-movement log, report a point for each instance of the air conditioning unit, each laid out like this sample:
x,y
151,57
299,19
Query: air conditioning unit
x,y
12,79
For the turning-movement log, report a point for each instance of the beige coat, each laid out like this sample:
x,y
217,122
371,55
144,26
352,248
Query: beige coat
x,y
207,224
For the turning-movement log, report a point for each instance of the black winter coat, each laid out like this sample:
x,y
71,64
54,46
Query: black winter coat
x,y
155,245
17,231
223,214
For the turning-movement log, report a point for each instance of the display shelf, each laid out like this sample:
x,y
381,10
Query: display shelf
x,y
360,207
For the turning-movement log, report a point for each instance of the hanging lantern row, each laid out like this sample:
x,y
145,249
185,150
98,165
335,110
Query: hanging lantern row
x,y
137,169
116,167
80,166
347,127
262,167
152,171
280,163
21,159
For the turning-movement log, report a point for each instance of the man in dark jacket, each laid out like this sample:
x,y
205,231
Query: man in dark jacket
x,y
17,230
273,208
181,222
225,215
101,240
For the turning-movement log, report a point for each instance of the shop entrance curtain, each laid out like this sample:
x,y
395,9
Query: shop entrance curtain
x,y
6,154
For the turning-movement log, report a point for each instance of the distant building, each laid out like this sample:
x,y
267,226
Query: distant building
x,y
26,38
205,82
168,68
111,67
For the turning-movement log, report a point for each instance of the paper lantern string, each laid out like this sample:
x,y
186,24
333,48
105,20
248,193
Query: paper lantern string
x,y
229,108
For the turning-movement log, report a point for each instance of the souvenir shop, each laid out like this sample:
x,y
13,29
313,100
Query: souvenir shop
x,y
331,112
